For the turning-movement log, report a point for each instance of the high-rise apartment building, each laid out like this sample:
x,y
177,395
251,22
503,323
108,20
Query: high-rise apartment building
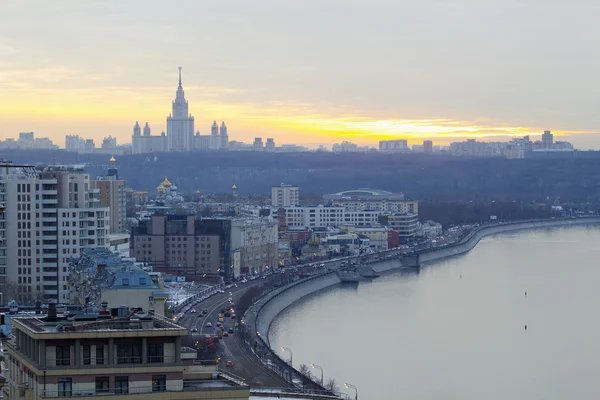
x,y
180,124
427,146
270,145
112,195
51,214
395,146
285,196
547,140
258,144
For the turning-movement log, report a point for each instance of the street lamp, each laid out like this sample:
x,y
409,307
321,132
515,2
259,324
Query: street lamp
x,y
316,366
348,386
291,355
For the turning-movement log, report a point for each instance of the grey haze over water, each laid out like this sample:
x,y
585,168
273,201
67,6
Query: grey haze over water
x,y
456,329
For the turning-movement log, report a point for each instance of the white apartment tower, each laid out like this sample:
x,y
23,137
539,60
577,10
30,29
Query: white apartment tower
x,y
49,216
180,124
285,196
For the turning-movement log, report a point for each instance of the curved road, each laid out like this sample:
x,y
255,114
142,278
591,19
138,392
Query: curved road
x,y
232,348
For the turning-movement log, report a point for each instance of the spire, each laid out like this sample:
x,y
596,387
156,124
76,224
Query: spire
x,y
179,76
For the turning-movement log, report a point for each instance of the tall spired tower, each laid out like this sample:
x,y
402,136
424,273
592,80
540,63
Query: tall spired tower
x,y
180,124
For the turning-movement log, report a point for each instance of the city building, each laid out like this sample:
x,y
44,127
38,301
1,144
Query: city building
x,y
430,229
180,132
378,235
270,146
405,224
547,140
176,244
99,275
112,195
180,123
120,353
364,194
323,216
166,193
285,196
394,146
74,143
258,144
52,214
345,147
28,141
427,146
257,241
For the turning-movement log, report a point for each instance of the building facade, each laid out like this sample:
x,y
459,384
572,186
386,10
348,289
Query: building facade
x,y
257,241
394,146
175,244
285,196
116,353
405,224
112,195
322,216
51,214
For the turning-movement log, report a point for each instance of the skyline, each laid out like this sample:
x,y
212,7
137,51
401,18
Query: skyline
x,y
363,72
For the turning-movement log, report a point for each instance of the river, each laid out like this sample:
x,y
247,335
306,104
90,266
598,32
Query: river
x,y
456,329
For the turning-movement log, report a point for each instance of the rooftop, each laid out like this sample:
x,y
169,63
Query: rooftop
x,y
365,194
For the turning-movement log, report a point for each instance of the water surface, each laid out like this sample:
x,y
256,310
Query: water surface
x,y
456,330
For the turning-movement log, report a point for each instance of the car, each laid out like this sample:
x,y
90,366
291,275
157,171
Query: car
x,y
225,333
209,324
230,330
193,311
233,316
218,324
194,330
227,314
229,363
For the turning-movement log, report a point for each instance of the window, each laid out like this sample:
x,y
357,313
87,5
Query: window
x,y
65,387
129,353
63,355
99,354
125,281
102,384
155,352
142,281
121,384
87,354
159,383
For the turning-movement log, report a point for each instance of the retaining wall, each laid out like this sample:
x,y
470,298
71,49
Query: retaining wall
x,y
282,298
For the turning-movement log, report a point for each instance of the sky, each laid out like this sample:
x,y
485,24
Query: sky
x,y
307,72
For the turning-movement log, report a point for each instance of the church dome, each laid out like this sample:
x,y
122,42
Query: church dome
x,y
112,159
234,187
173,188
166,183
161,189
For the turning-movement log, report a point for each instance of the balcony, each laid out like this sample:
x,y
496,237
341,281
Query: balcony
x,y
223,387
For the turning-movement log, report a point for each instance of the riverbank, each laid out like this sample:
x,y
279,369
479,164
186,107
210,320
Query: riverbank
x,y
268,308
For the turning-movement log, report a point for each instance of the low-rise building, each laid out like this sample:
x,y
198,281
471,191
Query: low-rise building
x,y
118,353
99,275
403,223
322,216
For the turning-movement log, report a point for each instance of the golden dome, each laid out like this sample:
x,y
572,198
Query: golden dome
x,y
166,183
234,187
198,191
161,189
112,159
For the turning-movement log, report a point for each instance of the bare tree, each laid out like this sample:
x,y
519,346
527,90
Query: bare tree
x,y
304,370
332,386
10,291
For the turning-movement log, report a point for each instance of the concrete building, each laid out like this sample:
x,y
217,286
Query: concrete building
x,y
547,140
99,275
285,196
344,147
258,144
394,146
52,214
180,123
117,353
112,195
74,143
383,206
427,146
364,194
257,241
147,143
270,146
378,235
322,216
175,244
404,223
224,136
